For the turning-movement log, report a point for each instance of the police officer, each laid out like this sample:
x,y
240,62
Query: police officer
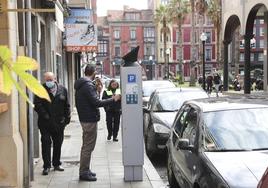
x,y
113,112
52,119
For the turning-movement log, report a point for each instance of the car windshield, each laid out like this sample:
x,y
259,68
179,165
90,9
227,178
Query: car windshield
x,y
149,87
172,100
234,130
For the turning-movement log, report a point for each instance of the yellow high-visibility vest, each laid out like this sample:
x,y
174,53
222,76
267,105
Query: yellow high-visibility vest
x,y
110,93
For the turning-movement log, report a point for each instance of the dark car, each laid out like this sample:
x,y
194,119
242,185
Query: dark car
x,y
149,86
160,114
264,180
219,143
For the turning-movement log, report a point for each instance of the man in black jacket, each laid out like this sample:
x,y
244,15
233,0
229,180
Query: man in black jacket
x,y
52,119
87,104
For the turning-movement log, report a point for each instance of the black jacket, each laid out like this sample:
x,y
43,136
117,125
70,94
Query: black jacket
x,y
87,100
111,108
55,114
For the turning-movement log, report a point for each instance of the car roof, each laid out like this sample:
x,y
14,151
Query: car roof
x,y
229,103
176,89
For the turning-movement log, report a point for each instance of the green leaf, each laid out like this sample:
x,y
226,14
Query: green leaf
x,y
7,80
33,84
25,63
5,54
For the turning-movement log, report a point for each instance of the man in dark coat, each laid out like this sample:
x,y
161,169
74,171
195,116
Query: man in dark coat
x,y
87,104
52,119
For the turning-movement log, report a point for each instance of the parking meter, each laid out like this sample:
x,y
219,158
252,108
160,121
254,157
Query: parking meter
x,y
132,123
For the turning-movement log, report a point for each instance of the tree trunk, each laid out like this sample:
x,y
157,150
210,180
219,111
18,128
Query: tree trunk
x,y
192,64
180,38
165,47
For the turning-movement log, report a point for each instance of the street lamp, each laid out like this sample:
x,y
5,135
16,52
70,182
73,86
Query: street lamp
x,y
203,38
113,69
167,54
101,64
151,67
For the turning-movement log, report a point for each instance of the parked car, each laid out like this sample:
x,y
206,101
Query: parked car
x,y
264,180
149,86
160,113
219,143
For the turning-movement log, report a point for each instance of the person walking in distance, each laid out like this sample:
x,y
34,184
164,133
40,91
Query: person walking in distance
x,y
87,104
113,113
217,82
52,118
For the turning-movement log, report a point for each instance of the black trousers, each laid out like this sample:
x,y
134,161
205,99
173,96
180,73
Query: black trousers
x,y
113,121
47,138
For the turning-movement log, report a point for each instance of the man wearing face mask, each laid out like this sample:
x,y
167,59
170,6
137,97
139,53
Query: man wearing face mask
x,y
52,119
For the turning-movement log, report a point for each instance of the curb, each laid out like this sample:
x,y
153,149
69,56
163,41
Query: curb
x,y
152,174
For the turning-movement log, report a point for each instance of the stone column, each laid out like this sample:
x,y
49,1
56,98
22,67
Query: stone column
x,y
247,38
11,152
265,55
225,67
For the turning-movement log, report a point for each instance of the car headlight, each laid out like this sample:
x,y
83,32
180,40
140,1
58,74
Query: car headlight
x,y
158,128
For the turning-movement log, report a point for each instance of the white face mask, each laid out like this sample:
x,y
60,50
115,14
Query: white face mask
x,y
50,84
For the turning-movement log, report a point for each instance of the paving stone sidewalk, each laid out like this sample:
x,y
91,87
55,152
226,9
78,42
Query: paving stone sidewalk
x,y
106,162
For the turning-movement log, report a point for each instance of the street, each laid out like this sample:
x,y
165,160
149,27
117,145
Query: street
x,y
159,162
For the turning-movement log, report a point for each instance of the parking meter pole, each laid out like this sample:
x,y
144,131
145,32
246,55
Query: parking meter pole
x,y
132,127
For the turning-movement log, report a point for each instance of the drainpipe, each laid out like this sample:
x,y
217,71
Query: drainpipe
x,y
30,109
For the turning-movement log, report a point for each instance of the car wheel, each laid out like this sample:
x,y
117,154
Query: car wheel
x,y
149,143
171,178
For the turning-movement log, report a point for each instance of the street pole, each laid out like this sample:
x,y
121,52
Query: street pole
x,y
204,67
168,66
203,38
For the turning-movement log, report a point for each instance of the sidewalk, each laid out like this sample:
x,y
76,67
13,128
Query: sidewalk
x,y
106,162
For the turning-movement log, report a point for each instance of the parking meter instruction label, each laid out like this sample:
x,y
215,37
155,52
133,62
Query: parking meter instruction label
x,y
132,93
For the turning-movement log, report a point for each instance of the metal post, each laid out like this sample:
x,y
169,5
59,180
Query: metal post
x,y
204,67
167,66
30,109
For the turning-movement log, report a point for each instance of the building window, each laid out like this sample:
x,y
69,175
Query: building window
x,y
209,21
161,53
261,31
242,57
261,43
117,51
177,36
208,37
149,32
208,54
177,54
132,16
242,43
164,2
261,21
252,57
102,48
260,57
116,34
132,34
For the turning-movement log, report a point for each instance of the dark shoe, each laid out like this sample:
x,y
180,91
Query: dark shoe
x,y
109,137
87,177
45,171
58,168
91,173
115,140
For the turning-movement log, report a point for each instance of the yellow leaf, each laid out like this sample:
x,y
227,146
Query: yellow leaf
x,y
22,93
5,54
33,85
25,63
7,80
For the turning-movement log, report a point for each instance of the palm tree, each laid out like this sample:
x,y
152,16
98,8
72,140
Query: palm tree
x,y
178,10
214,12
193,47
162,16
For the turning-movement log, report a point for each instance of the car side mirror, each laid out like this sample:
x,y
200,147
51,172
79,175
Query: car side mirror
x,y
184,144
